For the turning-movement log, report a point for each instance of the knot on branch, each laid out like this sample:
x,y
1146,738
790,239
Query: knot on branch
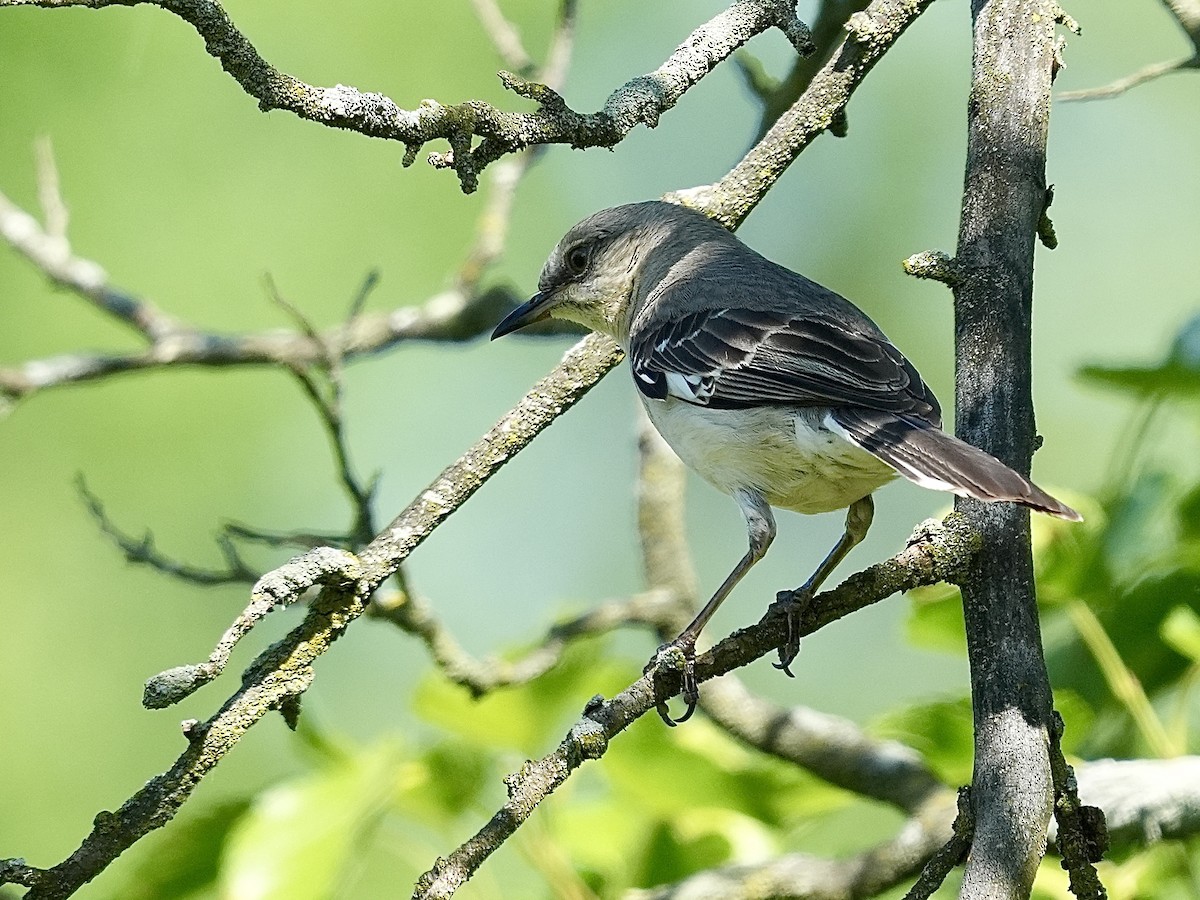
x,y
640,101
936,266
947,547
543,95
169,687
589,738
798,34
1045,227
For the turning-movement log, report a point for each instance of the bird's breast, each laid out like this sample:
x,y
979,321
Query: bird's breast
x,y
785,454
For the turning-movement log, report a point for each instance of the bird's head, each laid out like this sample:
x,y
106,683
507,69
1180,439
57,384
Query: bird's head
x,y
592,275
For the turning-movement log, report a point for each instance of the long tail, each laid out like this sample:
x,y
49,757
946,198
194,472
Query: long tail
x,y
933,459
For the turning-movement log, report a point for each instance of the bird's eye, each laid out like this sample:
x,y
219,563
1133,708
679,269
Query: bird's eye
x,y
577,259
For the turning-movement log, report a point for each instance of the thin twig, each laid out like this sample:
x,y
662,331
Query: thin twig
x,y
143,552
1128,82
1082,836
951,854
504,36
1187,15
870,34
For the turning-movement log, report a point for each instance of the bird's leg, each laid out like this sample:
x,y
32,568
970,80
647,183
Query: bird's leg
x,y
858,522
760,525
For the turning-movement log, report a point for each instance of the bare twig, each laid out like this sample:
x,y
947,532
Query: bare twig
x,y
950,854
452,316
504,36
1187,14
284,671
638,102
778,95
1082,836
482,676
1127,82
54,210
47,248
143,552
461,313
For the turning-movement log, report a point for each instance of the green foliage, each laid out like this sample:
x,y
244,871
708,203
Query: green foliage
x,y
530,718
186,860
189,195
1176,376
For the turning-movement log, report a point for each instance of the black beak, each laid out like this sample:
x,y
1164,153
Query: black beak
x,y
532,310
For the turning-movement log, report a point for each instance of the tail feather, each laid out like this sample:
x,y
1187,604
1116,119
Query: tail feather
x,y
926,455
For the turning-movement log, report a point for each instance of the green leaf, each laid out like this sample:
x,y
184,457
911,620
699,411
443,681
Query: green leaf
x,y
1178,375
669,856
941,731
1181,631
446,781
185,856
935,619
297,838
528,717
1141,528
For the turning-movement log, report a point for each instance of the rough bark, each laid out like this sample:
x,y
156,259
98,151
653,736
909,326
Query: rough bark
x,y
1003,201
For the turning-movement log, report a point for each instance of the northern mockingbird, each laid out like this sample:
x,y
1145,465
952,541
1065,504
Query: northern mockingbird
x,y
774,389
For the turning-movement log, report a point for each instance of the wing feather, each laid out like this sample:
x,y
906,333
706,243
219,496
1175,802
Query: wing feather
x,y
737,358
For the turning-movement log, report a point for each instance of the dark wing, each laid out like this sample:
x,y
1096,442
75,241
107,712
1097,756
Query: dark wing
x,y
735,358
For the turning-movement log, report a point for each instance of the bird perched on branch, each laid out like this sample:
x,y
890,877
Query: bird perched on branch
x,y
776,390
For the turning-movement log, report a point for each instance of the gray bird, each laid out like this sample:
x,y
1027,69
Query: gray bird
x,y
774,389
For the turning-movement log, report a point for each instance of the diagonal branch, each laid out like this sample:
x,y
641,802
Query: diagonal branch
x,y
281,674
870,34
937,553
1187,14
638,102
777,97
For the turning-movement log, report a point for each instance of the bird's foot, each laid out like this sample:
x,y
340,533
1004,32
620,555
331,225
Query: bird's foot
x,y
793,605
678,656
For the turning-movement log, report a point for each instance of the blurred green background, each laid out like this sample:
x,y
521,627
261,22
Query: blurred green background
x,y
189,196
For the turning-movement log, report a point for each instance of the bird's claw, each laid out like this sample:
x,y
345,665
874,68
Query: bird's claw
x,y
794,604
679,656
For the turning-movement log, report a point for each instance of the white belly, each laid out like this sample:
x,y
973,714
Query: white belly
x,y
786,455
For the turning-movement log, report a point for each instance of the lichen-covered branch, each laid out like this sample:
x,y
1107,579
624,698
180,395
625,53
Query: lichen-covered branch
x,y
938,552
1082,836
638,102
777,96
281,674
1004,197
870,34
